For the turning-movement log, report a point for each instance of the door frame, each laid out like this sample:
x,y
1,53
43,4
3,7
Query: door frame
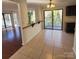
x,y
4,20
52,19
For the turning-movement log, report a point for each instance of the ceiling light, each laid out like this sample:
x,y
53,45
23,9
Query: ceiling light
x,y
48,6
51,5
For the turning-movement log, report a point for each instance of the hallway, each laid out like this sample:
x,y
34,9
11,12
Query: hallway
x,y
48,44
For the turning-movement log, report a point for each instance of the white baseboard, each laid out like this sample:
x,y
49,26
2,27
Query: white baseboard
x,y
23,43
74,51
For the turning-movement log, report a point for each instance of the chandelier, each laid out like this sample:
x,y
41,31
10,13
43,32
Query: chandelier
x,y
51,5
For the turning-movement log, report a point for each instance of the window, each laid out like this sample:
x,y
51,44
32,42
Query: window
x,y
16,23
3,25
8,20
31,16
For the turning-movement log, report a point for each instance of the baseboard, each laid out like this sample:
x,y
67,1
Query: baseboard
x,y
74,51
23,43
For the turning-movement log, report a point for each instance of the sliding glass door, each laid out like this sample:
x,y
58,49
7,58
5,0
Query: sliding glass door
x,y
57,19
48,19
53,19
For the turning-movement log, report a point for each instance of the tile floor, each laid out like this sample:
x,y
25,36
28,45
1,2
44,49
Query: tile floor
x,y
48,44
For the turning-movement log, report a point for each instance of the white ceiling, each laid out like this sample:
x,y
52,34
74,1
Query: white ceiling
x,y
58,2
47,1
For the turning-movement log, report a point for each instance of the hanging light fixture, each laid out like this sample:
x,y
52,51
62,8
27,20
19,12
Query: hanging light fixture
x,y
51,5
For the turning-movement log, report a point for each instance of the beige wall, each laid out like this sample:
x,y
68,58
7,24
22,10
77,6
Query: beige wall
x,y
67,18
9,7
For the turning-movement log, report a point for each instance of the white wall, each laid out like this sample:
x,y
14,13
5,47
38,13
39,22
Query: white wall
x,y
31,32
38,10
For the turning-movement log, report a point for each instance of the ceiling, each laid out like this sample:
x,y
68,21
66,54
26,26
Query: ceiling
x,y
57,2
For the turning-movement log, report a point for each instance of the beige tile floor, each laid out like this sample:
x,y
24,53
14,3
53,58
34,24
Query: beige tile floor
x,y
48,44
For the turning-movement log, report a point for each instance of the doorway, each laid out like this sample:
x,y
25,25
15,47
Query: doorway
x,y
11,34
53,19
6,21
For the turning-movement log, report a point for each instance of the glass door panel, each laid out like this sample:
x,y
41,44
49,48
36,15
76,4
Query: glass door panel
x,y
57,19
15,18
53,19
3,25
8,20
48,19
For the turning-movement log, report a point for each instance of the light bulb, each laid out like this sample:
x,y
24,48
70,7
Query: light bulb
x,y
48,6
52,5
